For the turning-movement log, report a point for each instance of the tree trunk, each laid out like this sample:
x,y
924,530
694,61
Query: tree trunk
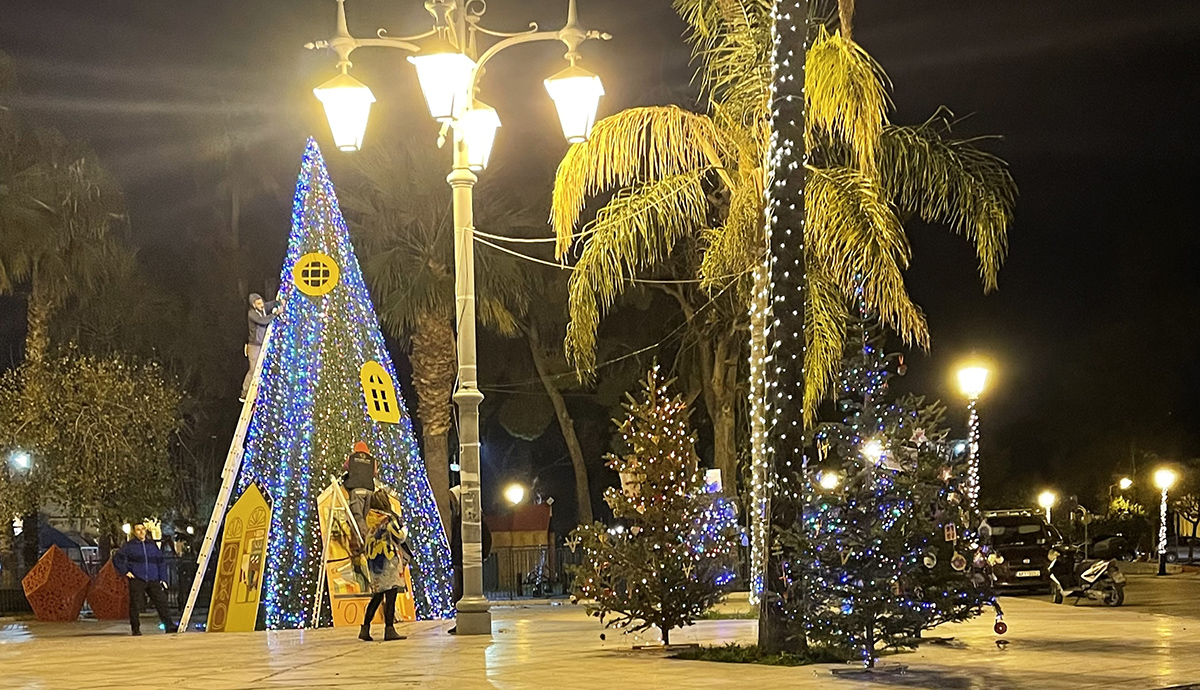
x,y
722,410
1192,543
8,557
435,366
583,495
37,335
781,612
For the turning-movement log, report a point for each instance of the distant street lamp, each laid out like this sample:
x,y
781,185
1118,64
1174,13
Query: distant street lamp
x,y
1046,500
514,493
972,381
20,461
1164,478
449,67
1123,484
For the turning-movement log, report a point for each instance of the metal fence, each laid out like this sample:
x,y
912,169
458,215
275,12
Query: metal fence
x,y
528,571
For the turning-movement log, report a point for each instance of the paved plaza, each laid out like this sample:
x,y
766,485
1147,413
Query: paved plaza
x,y
556,646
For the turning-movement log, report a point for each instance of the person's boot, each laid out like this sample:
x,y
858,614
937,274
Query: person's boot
x,y
389,633
364,633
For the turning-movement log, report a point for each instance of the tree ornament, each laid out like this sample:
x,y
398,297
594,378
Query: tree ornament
x,y
958,562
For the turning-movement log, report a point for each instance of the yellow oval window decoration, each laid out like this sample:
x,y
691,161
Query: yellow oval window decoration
x,y
379,392
315,274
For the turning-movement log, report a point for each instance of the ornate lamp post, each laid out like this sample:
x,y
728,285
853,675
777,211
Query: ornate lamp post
x,y
448,68
1164,478
972,381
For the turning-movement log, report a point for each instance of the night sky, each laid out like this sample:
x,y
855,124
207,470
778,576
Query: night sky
x,y
1094,332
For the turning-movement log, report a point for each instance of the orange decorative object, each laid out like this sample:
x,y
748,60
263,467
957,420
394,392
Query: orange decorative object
x,y
109,596
56,587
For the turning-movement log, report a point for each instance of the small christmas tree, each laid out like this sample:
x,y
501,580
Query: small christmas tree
x,y
884,532
328,382
672,556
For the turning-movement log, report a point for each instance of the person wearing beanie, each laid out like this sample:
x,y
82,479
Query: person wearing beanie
x,y
359,482
260,316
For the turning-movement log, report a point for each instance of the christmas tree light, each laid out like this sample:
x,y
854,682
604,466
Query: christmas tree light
x,y
312,407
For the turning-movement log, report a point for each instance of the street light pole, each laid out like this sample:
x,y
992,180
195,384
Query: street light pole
x,y
972,381
449,71
1164,478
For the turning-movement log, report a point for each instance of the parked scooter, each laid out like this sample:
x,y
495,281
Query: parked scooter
x,y
1071,576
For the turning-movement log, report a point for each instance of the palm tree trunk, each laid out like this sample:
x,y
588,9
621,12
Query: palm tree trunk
x,y
583,495
434,368
8,556
723,412
37,335
780,626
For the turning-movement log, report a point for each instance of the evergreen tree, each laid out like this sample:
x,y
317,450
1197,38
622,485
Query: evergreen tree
x,y
328,382
672,555
884,534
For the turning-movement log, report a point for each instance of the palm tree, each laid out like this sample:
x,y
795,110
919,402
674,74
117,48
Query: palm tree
x,y
861,177
401,216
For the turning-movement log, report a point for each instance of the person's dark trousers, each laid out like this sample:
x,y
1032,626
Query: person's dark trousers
x,y
138,589
360,500
389,607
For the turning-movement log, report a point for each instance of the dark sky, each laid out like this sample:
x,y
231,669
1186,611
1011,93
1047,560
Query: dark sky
x,y
1094,331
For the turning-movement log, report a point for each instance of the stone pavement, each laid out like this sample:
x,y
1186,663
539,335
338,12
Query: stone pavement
x,y
548,646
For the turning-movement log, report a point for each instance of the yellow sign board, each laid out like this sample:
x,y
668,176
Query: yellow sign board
x,y
349,590
315,274
235,597
379,392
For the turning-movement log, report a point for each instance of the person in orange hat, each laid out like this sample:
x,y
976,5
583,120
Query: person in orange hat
x,y
359,482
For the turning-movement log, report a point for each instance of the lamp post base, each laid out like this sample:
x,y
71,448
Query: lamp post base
x,y
1162,564
474,617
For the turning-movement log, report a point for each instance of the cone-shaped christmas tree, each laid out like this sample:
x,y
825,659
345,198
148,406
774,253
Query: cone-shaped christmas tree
x,y
328,382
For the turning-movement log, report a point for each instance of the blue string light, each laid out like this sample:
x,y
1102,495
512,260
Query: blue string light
x,y
310,411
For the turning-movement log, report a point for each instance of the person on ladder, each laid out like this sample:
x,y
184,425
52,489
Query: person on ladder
x,y
260,316
359,482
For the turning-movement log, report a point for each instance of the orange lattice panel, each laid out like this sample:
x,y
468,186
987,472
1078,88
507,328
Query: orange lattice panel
x,y
56,587
109,595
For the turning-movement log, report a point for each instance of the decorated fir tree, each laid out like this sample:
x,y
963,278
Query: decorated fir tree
x,y
671,555
884,534
328,382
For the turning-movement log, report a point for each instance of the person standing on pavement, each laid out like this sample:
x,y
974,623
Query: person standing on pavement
x,y
142,562
387,557
260,316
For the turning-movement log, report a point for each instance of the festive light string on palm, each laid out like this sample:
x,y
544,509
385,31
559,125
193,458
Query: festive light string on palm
x,y
972,380
449,70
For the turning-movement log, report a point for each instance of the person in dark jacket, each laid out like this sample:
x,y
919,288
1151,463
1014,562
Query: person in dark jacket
x,y
387,556
142,562
260,316
359,482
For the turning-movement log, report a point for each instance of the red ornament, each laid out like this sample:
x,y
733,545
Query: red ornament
x,y
1000,627
56,587
109,596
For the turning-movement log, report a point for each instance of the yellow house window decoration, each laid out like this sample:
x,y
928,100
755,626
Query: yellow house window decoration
x,y
315,274
379,392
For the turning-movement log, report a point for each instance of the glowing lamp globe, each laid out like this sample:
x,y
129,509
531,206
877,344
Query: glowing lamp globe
x,y
445,77
1164,478
1125,483
1047,499
20,460
873,451
514,493
347,104
478,129
576,93
972,381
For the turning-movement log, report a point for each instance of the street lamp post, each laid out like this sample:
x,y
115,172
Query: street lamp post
x,y
1164,479
1046,500
449,74
972,381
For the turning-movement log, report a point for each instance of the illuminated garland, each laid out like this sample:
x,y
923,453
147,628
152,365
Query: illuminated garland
x,y
973,459
310,411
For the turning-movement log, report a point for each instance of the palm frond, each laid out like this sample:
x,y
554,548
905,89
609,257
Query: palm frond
x,y
948,181
633,147
637,229
824,334
846,95
854,232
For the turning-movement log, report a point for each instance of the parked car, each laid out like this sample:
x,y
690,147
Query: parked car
x,y
1023,540
1183,550
1109,546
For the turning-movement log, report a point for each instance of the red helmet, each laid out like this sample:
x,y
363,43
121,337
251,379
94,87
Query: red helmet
x,y
361,447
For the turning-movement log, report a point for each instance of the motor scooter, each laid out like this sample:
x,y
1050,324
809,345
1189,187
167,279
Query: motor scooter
x,y
1072,576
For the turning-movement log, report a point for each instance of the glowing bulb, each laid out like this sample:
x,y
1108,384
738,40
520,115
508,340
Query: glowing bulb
x,y
972,381
445,77
1047,499
576,93
20,460
828,479
1164,478
873,450
347,104
514,493
1125,483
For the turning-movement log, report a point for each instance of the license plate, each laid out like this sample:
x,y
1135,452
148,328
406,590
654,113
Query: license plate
x,y
1029,573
